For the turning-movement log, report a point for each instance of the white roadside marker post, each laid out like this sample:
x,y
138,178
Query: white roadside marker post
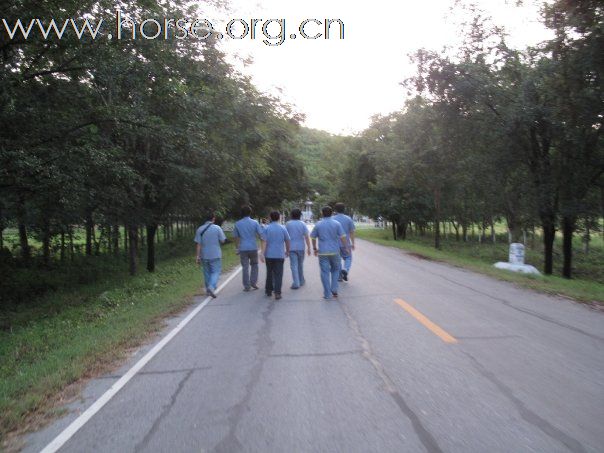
x,y
516,261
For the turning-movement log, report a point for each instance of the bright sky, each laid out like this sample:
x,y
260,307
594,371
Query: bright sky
x,y
340,84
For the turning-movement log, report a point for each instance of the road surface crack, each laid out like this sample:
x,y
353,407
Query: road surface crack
x,y
523,310
142,445
425,437
264,344
319,354
527,414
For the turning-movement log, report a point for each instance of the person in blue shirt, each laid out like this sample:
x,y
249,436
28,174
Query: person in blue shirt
x,y
331,238
208,238
245,233
275,247
300,242
348,225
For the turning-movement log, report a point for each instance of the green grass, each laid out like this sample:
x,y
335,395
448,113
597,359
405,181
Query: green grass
x,y
481,257
72,333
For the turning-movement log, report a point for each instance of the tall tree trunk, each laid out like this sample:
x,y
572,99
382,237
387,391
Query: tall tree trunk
x,y
493,235
62,256
126,234
97,244
21,222
70,233
46,241
2,226
586,237
89,226
394,230
437,218
23,242
116,239
401,230
151,230
464,232
549,234
456,228
568,228
133,243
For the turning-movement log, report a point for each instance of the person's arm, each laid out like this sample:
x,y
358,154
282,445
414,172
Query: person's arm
x,y
314,246
222,238
307,239
262,250
198,253
287,241
343,237
352,238
236,239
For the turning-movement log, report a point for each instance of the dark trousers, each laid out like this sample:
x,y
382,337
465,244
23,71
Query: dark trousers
x,y
274,275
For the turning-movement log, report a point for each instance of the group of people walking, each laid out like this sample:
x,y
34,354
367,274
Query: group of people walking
x,y
332,241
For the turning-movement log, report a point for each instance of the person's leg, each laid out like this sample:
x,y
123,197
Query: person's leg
x,y
293,264
335,267
325,274
301,267
245,268
216,267
268,287
341,258
253,254
205,267
278,275
348,262
345,266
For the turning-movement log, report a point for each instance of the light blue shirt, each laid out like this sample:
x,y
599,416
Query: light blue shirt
x,y
297,232
275,236
329,232
210,241
247,230
347,223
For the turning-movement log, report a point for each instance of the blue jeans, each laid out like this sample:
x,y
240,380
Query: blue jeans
x,y
296,263
330,272
211,272
347,261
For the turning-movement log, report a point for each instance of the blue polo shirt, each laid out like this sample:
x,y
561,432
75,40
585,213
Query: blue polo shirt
x,y
297,232
210,241
347,223
247,230
329,232
275,236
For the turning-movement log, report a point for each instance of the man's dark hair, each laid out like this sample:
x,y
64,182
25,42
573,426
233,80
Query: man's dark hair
x,y
275,215
209,216
246,211
296,214
326,211
339,207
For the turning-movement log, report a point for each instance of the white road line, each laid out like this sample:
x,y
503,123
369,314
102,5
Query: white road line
x,y
73,428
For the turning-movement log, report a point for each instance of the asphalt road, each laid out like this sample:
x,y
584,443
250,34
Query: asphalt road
x,y
414,356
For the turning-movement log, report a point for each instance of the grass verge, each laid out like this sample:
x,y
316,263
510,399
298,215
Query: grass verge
x,y
70,335
480,258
